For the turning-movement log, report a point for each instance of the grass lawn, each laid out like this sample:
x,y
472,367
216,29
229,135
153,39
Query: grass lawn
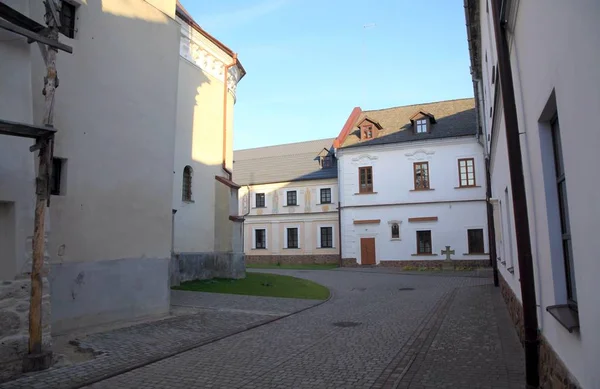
x,y
291,267
260,284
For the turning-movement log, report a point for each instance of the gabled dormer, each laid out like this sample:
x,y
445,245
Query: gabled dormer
x,y
422,122
368,128
326,159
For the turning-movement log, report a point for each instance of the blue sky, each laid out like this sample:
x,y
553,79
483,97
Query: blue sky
x,y
310,62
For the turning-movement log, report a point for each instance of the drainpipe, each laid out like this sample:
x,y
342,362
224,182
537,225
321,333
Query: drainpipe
x,y
243,226
517,181
340,230
225,90
490,220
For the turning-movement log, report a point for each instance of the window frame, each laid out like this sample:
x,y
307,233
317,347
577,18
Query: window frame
x,y
368,188
263,201
186,185
264,243
563,211
68,30
326,162
419,124
287,198
321,191
367,130
57,186
460,182
469,251
420,163
321,229
287,238
419,252
392,225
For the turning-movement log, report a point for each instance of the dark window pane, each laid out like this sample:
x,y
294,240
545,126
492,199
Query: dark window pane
x,y
260,236
186,189
423,242
395,231
56,176
291,198
569,269
292,238
326,237
260,200
326,196
475,238
67,19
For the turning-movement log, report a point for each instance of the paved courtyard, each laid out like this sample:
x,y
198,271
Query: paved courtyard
x,y
380,329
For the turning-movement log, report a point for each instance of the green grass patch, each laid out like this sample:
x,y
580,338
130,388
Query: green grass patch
x,y
314,266
260,284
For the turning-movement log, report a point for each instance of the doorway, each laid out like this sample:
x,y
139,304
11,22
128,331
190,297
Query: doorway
x,y
367,251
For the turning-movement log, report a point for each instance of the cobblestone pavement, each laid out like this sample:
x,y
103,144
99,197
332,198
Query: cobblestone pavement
x,y
379,330
199,318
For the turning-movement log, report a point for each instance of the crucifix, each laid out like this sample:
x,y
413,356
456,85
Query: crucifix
x,y
448,253
447,264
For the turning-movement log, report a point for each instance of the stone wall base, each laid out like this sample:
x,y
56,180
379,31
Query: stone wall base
x,y
553,372
437,264
203,266
349,262
329,259
14,324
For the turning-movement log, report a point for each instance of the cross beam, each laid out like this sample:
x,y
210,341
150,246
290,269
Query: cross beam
x,y
25,130
8,24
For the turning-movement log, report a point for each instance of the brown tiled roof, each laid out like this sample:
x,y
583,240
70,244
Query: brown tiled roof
x,y
453,118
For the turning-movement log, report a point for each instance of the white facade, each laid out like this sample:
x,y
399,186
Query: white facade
x,y
309,216
449,209
555,74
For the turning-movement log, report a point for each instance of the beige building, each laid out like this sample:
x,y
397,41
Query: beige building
x,y
289,200
142,164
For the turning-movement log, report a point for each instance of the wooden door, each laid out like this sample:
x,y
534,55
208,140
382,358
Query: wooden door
x,y
367,251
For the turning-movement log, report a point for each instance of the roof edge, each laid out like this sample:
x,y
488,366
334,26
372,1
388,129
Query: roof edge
x,y
354,115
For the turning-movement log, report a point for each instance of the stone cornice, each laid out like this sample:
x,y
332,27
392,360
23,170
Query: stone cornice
x,y
193,48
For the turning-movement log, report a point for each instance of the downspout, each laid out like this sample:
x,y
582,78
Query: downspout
x,y
340,228
243,226
225,90
517,180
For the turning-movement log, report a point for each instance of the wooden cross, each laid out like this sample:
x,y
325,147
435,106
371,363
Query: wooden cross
x,y
448,253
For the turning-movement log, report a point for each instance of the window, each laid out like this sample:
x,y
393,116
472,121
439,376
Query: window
x,y
292,238
421,175
565,227
421,126
292,198
326,162
67,19
367,132
186,187
475,238
326,196
395,231
365,178
56,184
260,200
260,239
423,242
326,237
466,172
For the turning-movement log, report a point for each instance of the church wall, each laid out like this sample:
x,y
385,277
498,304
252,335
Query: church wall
x,y
110,233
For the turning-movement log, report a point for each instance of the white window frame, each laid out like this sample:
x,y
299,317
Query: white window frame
x,y
333,235
419,124
254,199
285,236
390,223
254,237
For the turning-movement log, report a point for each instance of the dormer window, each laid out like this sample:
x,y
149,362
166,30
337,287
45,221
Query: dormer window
x,y
367,132
326,162
368,128
422,122
421,126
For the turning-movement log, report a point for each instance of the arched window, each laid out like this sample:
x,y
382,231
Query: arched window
x,y
395,231
186,187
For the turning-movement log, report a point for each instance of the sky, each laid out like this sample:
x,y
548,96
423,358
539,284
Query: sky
x,y
310,62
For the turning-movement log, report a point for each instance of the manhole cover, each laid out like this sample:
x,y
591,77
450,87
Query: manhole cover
x,y
406,289
346,324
